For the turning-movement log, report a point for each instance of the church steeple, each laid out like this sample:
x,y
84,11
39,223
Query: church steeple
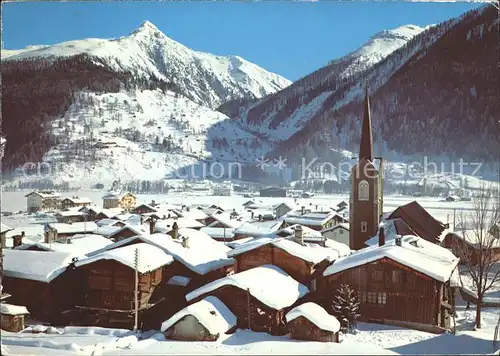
x,y
366,145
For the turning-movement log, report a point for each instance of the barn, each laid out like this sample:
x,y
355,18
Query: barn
x,y
39,280
259,297
205,320
311,322
408,281
301,262
108,284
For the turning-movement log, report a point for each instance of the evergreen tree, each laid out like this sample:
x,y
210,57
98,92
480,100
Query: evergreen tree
x,y
345,307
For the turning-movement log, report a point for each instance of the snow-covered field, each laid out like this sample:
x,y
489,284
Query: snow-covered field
x,y
369,339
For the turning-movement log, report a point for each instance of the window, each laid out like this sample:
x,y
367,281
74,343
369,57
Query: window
x,y
376,298
364,226
363,191
312,287
341,232
398,277
378,276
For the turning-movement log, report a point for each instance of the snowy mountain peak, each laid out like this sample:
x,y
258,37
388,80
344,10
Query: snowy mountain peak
x,y
406,33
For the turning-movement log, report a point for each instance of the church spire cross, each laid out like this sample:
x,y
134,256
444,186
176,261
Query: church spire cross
x,y
366,145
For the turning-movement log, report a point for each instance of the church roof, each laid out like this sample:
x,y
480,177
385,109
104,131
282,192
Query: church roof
x,y
366,145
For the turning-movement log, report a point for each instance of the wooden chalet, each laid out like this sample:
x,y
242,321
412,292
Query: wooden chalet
x,y
258,297
420,221
310,322
465,245
127,231
63,231
301,262
143,209
106,294
408,282
205,320
12,317
41,281
74,202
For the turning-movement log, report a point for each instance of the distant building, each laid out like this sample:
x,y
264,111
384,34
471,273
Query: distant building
x,y
225,189
43,201
338,233
273,192
115,200
73,202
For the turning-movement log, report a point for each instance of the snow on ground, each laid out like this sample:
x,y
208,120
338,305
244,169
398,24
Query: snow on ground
x,y
369,339
15,201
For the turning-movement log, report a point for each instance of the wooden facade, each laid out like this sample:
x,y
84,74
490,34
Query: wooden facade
x,y
12,323
44,301
465,251
302,329
245,307
392,293
299,269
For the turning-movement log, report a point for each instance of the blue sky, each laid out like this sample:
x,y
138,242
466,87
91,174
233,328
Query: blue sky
x,y
291,39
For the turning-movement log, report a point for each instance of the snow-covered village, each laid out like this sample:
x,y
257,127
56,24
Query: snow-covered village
x,y
163,193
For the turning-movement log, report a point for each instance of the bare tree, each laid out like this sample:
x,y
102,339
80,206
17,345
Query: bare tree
x,y
478,242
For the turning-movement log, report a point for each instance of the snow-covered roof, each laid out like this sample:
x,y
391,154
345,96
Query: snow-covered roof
x,y
340,225
307,232
239,242
179,281
316,315
473,239
259,228
136,229
392,229
309,218
29,230
79,200
45,194
74,228
165,225
225,219
110,212
71,212
150,257
203,255
107,230
218,232
79,245
306,253
115,195
107,222
423,256
210,312
35,265
268,283
4,228
9,309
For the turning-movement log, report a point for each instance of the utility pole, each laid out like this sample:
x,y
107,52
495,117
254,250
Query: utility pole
x,y
136,289
454,221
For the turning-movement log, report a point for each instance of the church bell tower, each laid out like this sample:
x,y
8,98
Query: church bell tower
x,y
364,201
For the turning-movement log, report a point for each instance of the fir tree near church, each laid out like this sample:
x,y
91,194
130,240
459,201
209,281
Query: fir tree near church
x,y
345,307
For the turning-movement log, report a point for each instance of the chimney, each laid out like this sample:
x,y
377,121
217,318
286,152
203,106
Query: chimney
x,y
381,237
299,235
185,242
18,240
251,215
153,203
175,232
316,206
152,226
3,242
142,219
68,240
260,217
398,240
303,210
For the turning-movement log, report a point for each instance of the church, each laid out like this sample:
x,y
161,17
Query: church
x,y
366,201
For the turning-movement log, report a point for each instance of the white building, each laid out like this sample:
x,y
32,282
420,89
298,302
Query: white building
x,y
43,201
338,233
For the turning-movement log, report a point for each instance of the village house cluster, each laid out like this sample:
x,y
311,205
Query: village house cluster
x,y
197,272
